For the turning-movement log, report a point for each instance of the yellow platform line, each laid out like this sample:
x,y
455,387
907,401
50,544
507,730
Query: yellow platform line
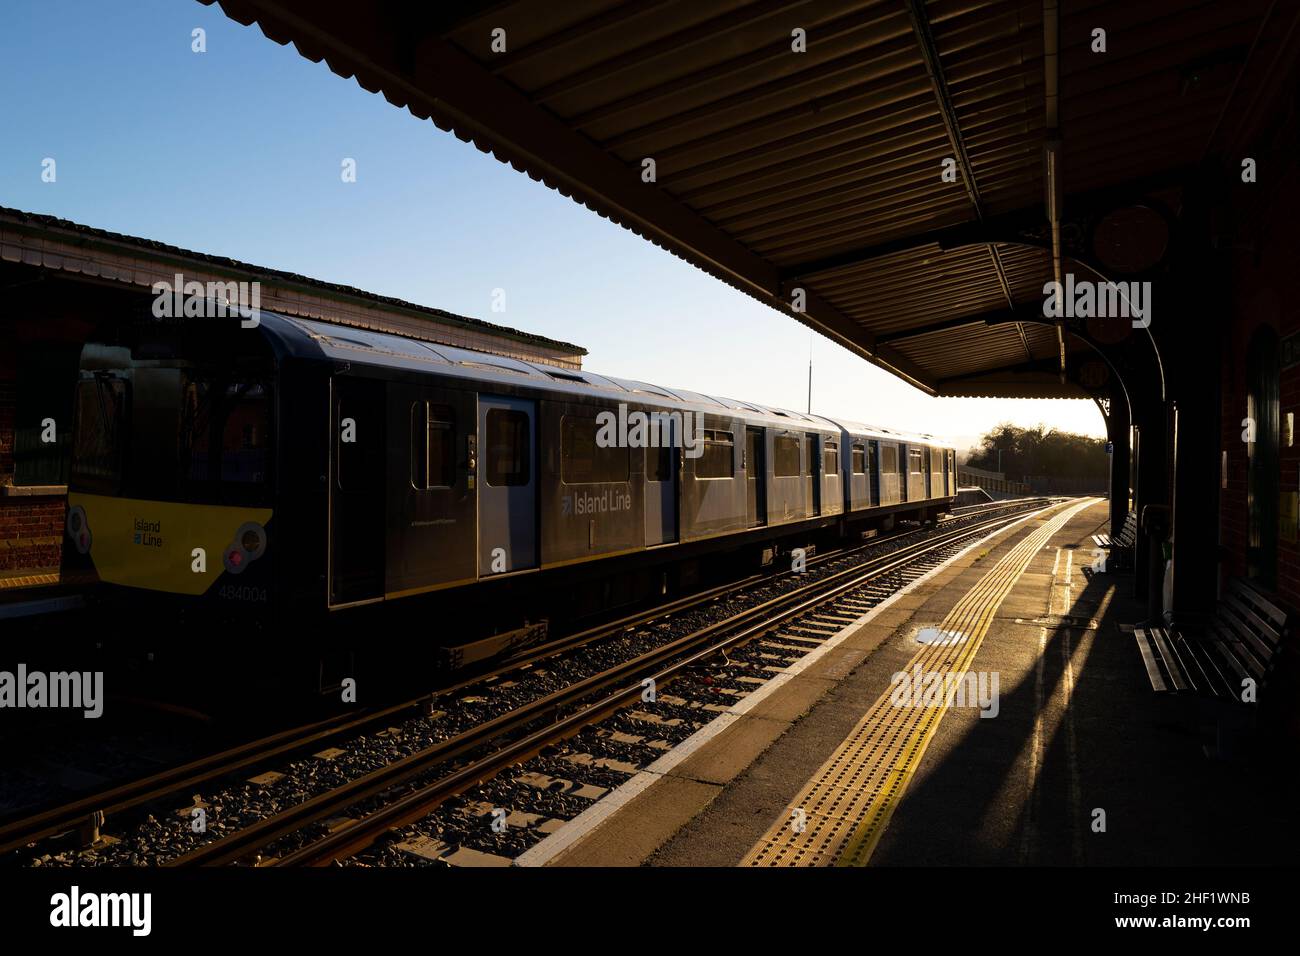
x,y
840,814
36,579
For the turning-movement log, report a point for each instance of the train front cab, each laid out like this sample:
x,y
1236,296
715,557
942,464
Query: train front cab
x,y
171,494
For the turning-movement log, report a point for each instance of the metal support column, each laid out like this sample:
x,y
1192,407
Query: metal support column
x,y
1118,424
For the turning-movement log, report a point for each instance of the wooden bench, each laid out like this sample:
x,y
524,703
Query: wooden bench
x,y
1241,644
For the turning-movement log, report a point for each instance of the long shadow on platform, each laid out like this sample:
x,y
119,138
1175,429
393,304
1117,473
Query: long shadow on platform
x,y
1118,748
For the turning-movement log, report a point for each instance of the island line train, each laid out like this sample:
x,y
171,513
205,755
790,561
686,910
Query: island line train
x,y
315,473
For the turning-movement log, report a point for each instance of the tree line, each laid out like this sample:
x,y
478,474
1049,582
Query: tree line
x,y
1040,451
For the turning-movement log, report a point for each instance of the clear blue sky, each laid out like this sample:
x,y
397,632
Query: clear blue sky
x,y
237,152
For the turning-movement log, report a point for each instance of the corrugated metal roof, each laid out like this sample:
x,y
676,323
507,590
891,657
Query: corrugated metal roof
x,y
779,170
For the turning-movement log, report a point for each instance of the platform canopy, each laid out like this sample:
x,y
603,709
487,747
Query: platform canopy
x,y
800,148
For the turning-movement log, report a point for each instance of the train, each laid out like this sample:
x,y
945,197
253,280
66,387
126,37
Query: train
x,y
301,473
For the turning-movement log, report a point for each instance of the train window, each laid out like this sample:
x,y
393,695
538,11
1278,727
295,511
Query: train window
x,y
719,458
659,464
785,458
102,404
583,460
441,449
223,432
889,459
433,446
831,457
753,453
914,460
508,448
859,460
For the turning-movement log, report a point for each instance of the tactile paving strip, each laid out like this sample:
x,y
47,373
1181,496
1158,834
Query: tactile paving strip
x,y
839,815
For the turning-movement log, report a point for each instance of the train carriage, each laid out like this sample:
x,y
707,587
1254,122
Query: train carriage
x,y
305,467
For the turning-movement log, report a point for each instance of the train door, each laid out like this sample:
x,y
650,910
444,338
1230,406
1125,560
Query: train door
x,y
661,494
755,477
356,490
431,513
927,474
507,478
813,456
905,492
873,472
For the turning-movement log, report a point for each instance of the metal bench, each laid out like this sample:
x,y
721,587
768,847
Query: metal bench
x,y
1230,660
1126,538
1119,548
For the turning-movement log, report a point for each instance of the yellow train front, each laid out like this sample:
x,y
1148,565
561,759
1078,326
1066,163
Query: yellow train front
x,y
172,479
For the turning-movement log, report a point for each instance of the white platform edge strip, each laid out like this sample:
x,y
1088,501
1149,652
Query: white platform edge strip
x,y
591,818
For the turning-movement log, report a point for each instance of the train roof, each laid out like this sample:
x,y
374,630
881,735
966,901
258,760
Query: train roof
x,y
303,337
859,430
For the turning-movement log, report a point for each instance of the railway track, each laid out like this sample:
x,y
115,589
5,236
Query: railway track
x,y
465,758
514,738
85,816
91,812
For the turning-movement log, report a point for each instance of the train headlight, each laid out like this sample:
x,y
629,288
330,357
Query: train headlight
x,y
79,529
248,546
251,539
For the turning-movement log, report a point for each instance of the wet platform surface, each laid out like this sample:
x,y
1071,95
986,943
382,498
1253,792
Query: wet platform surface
x,y
1082,765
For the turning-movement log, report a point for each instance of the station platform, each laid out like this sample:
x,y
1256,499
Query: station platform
x,y
31,595
1077,761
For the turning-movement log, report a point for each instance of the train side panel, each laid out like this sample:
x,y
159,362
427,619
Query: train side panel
x,y
592,497
714,491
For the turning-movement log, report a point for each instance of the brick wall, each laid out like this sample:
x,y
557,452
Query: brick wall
x,y
1263,281
30,534
31,527
8,396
